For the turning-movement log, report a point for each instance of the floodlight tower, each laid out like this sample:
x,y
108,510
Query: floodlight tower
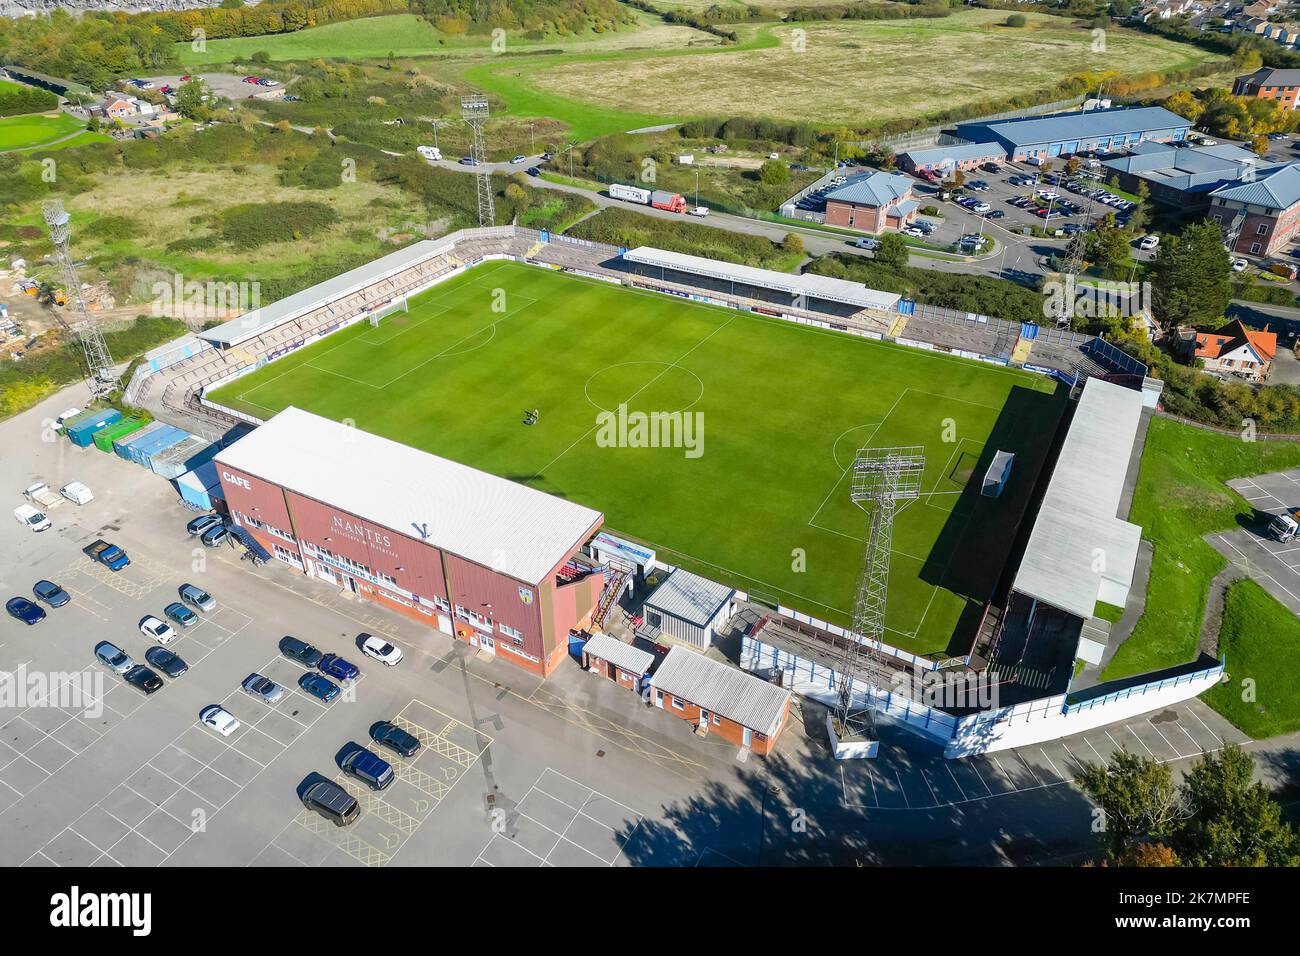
x,y
474,110
884,477
99,363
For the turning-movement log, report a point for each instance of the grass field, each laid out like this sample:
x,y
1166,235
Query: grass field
x,y
1259,639
765,506
36,130
866,71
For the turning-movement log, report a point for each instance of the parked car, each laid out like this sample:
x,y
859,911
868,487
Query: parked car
x,y
388,734
518,159
215,535
77,492
263,688
25,611
219,719
1149,242
178,613
109,555
300,651
113,657
51,593
202,523
334,666
195,596
160,631
143,678
170,664
319,686
996,214
379,649
468,161
332,802
533,171
1240,265
31,518
371,769
981,207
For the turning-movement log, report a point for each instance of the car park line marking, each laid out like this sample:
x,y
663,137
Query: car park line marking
x,y
1032,772
926,777
1050,763
980,776
1166,740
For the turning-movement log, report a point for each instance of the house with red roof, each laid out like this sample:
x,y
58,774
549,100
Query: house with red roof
x,y
1237,350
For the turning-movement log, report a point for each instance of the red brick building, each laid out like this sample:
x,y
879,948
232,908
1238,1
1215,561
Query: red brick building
x,y
1268,83
615,660
488,561
873,203
1261,214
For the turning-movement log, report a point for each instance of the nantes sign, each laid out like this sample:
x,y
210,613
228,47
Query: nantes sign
x,y
360,533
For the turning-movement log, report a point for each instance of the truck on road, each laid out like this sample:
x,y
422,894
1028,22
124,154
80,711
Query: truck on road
x,y
672,202
109,555
42,496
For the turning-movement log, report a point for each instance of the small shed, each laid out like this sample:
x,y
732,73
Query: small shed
x,y
689,607
622,663
995,479
720,699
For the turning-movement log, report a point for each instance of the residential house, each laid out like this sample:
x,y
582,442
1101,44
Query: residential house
x,y
1236,350
1268,83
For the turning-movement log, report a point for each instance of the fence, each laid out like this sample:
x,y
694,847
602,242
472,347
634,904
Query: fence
x,y
932,135
1149,688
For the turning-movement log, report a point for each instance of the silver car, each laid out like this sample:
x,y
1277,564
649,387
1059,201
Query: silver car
x,y
113,657
196,597
263,688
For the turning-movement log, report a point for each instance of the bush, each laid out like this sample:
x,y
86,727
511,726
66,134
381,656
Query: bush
x,y
250,225
623,227
16,99
1016,20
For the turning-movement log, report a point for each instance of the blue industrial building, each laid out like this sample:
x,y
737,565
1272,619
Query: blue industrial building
x,y
1042,137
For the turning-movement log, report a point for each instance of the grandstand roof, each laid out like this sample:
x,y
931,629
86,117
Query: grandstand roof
x,y
1078,537
254,323
819,287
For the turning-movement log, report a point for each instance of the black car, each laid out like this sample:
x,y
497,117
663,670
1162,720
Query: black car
x,y
332,802
170,664
143,678
387,734
996,214
533,171
51,593
300,651
25,611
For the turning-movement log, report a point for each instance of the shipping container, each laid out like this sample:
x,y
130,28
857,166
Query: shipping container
x,y
105,437
81,430
182,457
201,487
165,437
122,446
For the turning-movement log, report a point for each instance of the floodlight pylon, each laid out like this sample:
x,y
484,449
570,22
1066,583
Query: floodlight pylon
x,y
100,375
474,110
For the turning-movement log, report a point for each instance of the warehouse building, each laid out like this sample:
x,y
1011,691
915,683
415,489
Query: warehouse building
x,y
613,659
719,699
945,159
689,607
1039,138
488,561
1182,177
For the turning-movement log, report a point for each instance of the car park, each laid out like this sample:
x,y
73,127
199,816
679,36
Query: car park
x,y
263,688
196,597
113,657
371,769
388,734
160,631
319,686
169,663
51,593
300,651
219,719
143,679
331,665
25,610
202,523
379,649
214,536
332,802
178,613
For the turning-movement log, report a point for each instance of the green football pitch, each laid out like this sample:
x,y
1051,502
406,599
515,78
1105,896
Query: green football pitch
x,y
782,408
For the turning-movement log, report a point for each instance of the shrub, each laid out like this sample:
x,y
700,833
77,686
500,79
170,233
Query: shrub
x,y
250,225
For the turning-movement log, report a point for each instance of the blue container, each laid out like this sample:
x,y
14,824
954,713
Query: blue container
x,y
201,486
182,457
122,447
165,437
81,430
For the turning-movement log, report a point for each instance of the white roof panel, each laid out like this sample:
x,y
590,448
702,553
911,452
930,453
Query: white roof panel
x,y
821,287
1078,537
254,323
690,597
722,689
619,654
513,529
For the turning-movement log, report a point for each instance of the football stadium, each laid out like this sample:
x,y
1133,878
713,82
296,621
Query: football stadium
x,y
723,438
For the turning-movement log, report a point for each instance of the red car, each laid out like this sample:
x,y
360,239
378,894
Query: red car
x,y
186,78
252,79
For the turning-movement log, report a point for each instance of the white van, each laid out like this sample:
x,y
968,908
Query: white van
x,y
29,516
77,493
429,152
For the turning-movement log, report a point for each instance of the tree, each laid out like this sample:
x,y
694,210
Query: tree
x,y
1138,799
194,100
893,251
1235,820
1259,144
792,244
774,173
1139,217
1190,278
1017,20
1185,105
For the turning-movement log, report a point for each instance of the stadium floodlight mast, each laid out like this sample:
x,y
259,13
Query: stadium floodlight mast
x,y
100,376
883,477
474,110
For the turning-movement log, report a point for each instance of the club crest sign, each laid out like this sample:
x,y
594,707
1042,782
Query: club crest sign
x,y
526,595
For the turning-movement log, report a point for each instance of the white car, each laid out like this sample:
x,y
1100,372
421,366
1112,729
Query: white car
x,y
219,719
429,152
1240,265
160,631
63,418
29,516
381,650
517,160
700,211
914,232
77,492
982,207
1149,242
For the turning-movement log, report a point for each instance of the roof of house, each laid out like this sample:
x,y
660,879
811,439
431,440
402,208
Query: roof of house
x,y
515,530
254,323
872,189
722,689
1269,76
1063,127
1079,517
819,287
622,655
1231,337
1275,187
690,597
936,155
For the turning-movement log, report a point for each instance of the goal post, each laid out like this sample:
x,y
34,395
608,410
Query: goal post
x,y
397,305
